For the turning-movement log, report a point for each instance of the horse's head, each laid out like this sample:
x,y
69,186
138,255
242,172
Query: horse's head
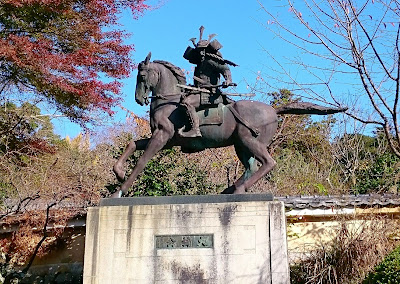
x,y
147,79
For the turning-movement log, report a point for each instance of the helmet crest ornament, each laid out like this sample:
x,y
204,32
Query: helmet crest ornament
x,y
202,43
201,32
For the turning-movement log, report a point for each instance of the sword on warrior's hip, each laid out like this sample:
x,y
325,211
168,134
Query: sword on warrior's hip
x,y
202,90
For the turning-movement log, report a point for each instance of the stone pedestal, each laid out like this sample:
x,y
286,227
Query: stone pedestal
x,y
187,239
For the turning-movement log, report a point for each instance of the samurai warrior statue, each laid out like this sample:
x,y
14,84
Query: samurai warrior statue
x,y
210,65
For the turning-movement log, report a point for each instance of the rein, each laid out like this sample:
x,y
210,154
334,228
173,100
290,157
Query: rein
x,y
165,96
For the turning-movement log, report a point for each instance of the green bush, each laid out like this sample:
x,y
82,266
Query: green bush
x,y
379,175
388,271
168,173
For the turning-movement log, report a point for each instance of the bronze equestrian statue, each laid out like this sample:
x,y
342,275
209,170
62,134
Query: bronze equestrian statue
x,y
248,125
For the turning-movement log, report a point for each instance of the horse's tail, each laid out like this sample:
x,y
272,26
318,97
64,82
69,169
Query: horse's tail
x,y
307,108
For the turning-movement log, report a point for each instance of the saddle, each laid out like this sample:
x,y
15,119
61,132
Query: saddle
x,y
211,115
215,116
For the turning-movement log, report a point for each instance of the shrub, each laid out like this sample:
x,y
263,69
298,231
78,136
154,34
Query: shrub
x,y
388,271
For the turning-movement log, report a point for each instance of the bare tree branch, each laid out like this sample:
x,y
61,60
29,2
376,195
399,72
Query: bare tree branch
x,y
25,270
345,35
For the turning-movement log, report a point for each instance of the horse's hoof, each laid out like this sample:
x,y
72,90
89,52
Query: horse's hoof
x,y
117,194
239,190
193,133
229,190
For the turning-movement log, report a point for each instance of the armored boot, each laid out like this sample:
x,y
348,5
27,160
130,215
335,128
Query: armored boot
x,y
194,121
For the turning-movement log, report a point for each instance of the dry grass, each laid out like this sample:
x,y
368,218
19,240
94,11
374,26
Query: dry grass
x,y
356,249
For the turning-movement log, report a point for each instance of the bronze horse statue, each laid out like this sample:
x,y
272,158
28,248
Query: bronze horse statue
x,y
167,117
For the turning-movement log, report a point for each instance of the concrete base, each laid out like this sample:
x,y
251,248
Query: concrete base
x,y
184,239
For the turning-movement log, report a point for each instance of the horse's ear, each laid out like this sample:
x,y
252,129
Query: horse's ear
x,y
147,59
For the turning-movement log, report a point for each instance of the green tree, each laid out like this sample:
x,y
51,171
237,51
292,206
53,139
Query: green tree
x,y
303,152
23,128
367,163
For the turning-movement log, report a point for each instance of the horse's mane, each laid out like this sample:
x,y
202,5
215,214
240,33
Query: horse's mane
x,y
178,73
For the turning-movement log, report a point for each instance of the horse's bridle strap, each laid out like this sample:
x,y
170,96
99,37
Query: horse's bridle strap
x,y
165,96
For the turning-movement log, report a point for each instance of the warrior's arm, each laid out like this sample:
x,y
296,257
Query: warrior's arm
x,y
224,70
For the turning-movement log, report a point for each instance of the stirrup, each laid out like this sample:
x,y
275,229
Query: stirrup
x,y
192,133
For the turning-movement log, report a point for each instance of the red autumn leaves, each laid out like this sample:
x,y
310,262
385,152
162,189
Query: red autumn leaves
x,y
67,52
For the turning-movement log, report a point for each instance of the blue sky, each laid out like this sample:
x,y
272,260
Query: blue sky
x,y
166,32
241,29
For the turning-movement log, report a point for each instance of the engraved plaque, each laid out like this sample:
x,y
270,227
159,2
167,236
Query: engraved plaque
x,y
184,241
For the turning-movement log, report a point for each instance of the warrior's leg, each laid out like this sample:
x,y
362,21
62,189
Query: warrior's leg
x,y
190,103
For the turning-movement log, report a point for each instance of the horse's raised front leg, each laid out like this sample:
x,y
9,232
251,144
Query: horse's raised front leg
x,y
162,134
157,142
130,149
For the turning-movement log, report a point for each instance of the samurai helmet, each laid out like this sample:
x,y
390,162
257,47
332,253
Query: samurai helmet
x,y
202,43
